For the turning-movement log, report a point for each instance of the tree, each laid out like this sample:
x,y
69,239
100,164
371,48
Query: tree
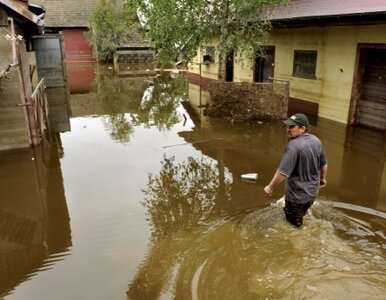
x,y
176,28
111,24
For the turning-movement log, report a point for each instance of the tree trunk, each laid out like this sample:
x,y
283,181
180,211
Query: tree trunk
x,y
223,49
221,66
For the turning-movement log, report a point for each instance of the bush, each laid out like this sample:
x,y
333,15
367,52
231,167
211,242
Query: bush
x,y
111,24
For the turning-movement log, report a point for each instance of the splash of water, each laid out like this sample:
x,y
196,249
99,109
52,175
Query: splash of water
x,y
259,255
332,254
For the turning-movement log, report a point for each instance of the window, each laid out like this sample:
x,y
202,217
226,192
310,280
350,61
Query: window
x,y
209,54
304,64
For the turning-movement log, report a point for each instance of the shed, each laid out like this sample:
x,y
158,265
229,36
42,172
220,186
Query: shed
x,y
71,19
135,57
18,77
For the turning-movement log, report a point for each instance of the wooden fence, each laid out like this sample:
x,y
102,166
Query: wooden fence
x,y
37,111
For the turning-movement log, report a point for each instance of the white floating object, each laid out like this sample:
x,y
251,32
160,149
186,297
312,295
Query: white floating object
x,y
249,176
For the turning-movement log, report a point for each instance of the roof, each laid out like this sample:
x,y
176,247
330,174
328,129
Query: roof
x,y
21,8
312,9
135,41
67,13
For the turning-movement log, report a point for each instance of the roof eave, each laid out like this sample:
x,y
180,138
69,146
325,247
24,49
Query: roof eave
x,y
348,19
23,12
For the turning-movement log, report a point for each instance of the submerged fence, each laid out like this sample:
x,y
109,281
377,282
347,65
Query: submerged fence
x,y
245,100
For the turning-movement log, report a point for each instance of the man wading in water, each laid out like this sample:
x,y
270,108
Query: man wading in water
x,y
303,166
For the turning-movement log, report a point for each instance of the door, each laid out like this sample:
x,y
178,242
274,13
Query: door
x,y
50,60
51,66
264,66
229,67
371,103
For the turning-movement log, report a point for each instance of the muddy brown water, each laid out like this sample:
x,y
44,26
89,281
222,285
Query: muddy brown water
x,y
143,199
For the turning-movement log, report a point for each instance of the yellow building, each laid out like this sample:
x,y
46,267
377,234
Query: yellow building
x,y
333,53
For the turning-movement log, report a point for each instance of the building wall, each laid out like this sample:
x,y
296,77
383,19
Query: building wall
x,y
76,45
5,50
198,99
336,58
336,48
13,126
243,70
207,70
79,60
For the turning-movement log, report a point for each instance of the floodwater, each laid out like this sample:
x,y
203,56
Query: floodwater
x,y
142,198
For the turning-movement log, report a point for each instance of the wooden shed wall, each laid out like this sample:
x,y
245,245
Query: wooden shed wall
x,y
13,125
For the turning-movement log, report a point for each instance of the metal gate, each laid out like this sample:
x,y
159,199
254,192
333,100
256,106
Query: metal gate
x,y
50,60
371,107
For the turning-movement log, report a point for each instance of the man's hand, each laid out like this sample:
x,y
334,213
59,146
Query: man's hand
x,y
277,179
323,182
268,190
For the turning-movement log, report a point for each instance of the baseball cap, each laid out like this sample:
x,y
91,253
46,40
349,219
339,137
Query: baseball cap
x,y
297,119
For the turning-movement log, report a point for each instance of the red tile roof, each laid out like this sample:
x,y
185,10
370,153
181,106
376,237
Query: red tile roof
x,y
325,8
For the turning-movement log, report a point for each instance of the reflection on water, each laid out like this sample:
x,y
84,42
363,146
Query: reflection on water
x,y
160,101
200,252
124,103
363,165
158,209
333,254
34,220
184,194
58,109
80,76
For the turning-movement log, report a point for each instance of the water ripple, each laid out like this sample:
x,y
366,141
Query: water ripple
x,y
259,255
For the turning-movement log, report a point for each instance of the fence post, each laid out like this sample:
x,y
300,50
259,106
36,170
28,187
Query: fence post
x,y
30,107
36,107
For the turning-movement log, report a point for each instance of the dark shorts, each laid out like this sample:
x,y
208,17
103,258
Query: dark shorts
x,y
294,212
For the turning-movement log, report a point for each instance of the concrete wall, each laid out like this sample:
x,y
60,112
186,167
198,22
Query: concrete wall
x,y
336,48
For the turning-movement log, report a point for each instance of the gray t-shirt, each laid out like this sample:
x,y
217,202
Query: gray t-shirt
x,y
301,164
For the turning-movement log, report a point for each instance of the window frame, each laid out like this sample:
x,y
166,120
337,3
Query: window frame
x,y
304,65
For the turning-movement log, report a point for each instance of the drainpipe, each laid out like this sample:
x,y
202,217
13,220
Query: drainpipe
x,y
13,40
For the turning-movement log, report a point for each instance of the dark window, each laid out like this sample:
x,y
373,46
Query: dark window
x,y
305,63
209,54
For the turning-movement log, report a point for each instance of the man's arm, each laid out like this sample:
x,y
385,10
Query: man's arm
x,y
276,180
323,175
